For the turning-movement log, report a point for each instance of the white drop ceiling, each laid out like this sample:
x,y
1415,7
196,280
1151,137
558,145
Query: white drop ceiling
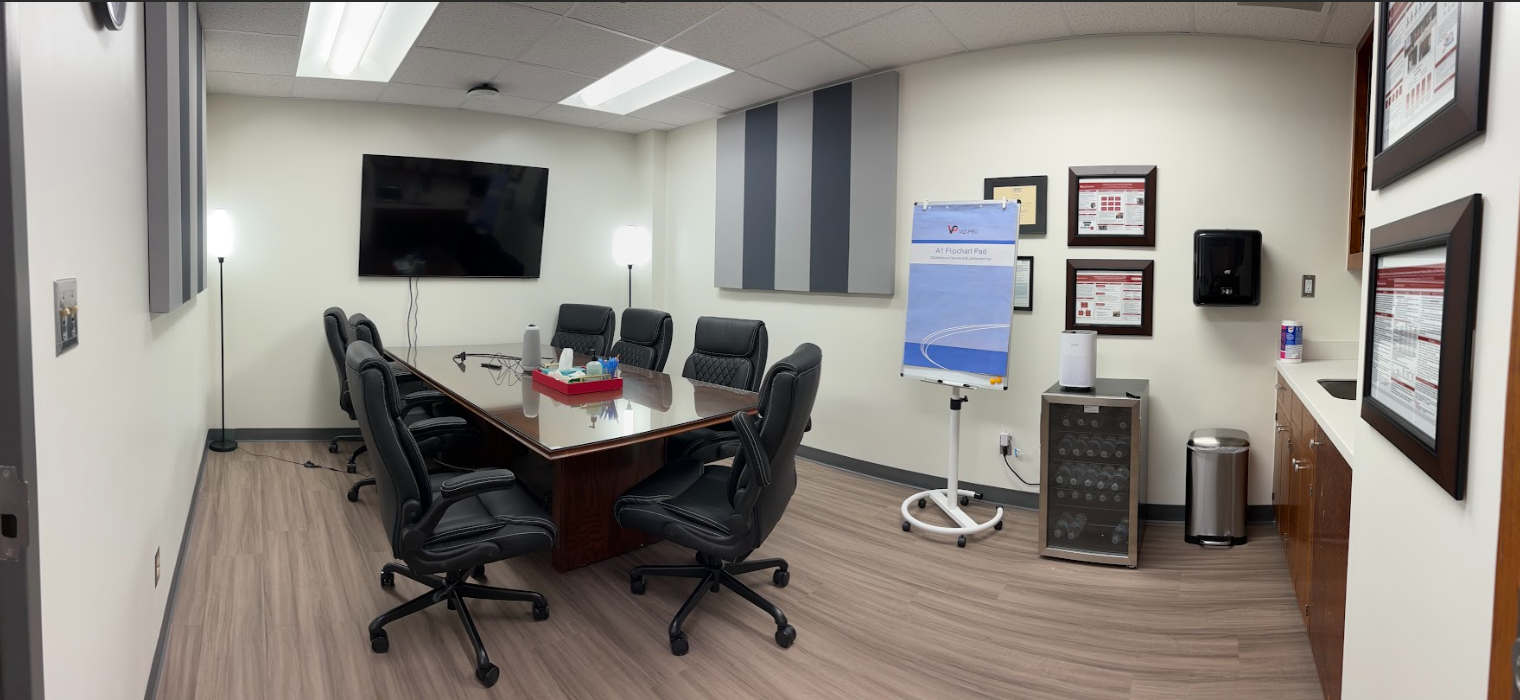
x,y
538,53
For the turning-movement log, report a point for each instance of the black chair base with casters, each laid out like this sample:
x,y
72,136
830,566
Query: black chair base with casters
x,y
715,574
334,447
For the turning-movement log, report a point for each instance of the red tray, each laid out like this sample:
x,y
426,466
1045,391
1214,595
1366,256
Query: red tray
x,y
548,380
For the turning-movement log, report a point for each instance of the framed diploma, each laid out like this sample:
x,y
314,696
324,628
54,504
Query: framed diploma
x,y
1029,192
1432,75
1023,282
1112,297
1422,303
1111,205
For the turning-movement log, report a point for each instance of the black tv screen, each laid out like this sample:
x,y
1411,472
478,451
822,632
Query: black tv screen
x,y
426,217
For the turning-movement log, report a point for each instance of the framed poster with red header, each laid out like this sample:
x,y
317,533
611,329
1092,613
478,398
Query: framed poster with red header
x,y
1422,304
1111,206
1111,297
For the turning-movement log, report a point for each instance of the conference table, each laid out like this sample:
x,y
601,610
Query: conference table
x,y
581,451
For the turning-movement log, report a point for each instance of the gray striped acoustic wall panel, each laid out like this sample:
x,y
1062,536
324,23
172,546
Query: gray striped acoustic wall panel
x,y
176,97
807,192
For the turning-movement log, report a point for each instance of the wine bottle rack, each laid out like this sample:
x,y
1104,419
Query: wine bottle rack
x,y
1093,472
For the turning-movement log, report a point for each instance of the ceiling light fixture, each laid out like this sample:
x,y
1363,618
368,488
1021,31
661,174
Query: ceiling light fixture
x,y
360,40
646,80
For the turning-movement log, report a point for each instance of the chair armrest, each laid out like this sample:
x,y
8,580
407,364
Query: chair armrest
x,y
757,462
437,425
424,397
456,489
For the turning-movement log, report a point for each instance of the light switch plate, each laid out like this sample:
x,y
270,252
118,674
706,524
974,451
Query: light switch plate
x,y
1308,287
66,313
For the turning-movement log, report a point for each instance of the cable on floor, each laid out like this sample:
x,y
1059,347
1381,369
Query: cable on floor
x,y
307,464
1016,473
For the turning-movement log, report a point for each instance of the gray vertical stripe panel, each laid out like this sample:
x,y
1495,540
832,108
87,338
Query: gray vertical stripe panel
x,y
156,84
794,192
728,239
186,155
760,198
200,156
873,184
829,270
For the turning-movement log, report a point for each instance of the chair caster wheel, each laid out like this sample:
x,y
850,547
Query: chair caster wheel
x,y
678,645
965,500
332,447
480,573
922,502
998,525
540,613
387,579
378,643
353,468
786,635
906,526
961,541
353,495
714,587
487,675
781,578
637,585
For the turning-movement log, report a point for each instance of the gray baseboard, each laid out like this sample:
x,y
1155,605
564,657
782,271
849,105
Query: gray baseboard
x,y
179,568
1012,498
288,434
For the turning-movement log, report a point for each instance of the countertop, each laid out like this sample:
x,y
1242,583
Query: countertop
x,y
1337,417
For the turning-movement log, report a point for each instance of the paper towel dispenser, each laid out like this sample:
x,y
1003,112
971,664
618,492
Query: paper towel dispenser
x,y
1226,268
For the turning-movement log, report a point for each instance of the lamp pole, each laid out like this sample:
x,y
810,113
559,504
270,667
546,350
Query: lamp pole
x,y
224,444
630,285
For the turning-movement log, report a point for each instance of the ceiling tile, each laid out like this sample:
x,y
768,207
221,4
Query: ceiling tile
x,y
739,36
584,49
1128,17
506,104
538,83
248,84
654,21
557,8
487,28
425,95
286,18
678,111
238,52
906,36
635,125
981,25
330,89
736,90
808,66
1348,22
1264,22
823,18
566,114
424,66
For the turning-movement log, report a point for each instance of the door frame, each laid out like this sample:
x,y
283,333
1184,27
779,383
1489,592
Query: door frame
x,y
20,591
1501,665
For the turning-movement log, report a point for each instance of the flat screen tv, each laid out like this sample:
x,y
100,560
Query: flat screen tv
x,y
427,217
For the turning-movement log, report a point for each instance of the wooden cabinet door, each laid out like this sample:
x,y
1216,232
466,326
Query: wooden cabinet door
x,y
1332,528
1301,475
1280,469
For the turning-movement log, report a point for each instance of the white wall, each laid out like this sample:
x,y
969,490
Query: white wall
x,y
121,419
1246,134
288,171
1420,579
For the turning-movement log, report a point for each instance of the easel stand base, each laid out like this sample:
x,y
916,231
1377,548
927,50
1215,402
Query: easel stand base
x,y
950,499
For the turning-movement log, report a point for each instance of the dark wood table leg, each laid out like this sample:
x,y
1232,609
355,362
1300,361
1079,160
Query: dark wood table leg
x,y
585,486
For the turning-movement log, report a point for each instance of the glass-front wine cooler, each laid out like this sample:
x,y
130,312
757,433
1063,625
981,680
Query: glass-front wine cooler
x,y
1092,470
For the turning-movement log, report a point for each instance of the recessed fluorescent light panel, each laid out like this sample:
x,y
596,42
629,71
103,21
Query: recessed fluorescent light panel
x,y
646,80
360,40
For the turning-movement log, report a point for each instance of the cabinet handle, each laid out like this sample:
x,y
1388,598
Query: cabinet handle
x,y
1278,386
1298,465
1281,428
1314,443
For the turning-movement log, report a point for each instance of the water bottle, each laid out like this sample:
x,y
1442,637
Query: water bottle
x,y
1121,533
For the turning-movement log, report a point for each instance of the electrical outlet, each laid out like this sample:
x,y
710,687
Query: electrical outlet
x,y
66,310
1308,290
157,568
1005,443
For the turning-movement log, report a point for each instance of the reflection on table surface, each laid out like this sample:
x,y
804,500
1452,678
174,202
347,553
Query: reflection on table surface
x,y
650,403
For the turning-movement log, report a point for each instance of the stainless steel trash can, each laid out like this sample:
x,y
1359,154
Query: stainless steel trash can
x,y
1216,487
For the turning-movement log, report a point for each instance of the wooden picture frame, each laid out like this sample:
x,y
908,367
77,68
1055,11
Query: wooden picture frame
x,y
1403,277
1041,185
1076,315
1030,282
1076,233
1460,119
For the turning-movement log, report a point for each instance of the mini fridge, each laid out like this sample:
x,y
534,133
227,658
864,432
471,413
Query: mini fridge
x,y
1092,471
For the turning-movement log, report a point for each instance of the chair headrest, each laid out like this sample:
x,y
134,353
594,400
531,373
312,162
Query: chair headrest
x,y
643,325
361,358
803,360
364,329
727,336
584,318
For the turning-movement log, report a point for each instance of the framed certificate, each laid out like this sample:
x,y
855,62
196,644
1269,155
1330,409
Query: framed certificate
x,y
1112,297
1023,282
1029,192
1422,304
1111,206
1432,76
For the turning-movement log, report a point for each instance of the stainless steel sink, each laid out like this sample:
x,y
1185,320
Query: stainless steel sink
x,y
1340,388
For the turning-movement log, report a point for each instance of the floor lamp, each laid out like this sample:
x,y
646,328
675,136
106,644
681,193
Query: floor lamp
x,y
219,244
630,246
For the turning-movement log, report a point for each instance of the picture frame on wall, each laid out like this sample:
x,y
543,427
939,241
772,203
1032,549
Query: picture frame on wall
x,y
1111,297
1023,281
1111,205
1030,192
1434,89
1422,303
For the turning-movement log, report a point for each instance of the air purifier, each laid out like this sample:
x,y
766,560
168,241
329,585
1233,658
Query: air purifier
x,y
1079,359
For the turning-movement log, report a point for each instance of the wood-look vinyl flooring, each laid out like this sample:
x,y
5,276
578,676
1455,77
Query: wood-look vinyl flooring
x,y
282,578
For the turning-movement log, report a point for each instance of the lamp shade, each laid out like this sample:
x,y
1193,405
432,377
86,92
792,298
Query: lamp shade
x,y
219,234
630,245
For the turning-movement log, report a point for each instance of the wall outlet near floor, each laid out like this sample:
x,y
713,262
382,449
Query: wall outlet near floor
x,y
157,568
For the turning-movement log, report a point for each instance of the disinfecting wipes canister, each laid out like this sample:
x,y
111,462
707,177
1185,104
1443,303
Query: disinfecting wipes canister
x,y
1290,343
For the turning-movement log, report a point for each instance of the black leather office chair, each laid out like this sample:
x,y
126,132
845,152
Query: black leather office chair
x,y
726,351
441,526
367,331
584,328
644,340
725,513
